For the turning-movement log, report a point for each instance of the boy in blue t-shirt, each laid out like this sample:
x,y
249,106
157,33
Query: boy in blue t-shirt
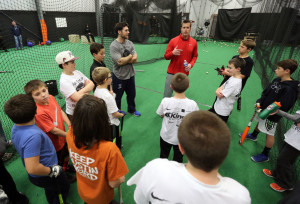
x,y
35,148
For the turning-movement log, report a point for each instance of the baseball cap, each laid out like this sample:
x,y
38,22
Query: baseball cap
x,y
65,56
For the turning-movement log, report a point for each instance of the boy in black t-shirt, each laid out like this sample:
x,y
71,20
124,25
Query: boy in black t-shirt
x,y
98,52
245,47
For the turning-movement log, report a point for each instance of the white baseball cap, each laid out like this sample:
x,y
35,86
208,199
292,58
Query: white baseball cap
x,y
65,56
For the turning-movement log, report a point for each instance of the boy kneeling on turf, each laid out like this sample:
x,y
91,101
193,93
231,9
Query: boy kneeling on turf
x,y
204,138
35,148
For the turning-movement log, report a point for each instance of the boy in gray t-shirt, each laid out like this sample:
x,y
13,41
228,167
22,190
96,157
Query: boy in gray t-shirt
x,y
124,56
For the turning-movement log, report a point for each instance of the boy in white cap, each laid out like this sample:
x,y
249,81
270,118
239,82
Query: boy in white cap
x,y
73,83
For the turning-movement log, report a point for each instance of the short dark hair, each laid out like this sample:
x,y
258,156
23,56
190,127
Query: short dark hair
x,y
205,139
120,26
290,64
250,44
180,82
20,108
95,48
90,122
238,62
33,85
186,21
60,65
100,74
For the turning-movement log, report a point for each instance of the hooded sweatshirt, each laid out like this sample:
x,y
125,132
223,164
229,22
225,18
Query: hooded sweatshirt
x,y
285,92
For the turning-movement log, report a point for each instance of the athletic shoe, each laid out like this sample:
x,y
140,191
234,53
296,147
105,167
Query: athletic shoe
x,y
267,172
277,188
136,113
120,111
260,158
249,137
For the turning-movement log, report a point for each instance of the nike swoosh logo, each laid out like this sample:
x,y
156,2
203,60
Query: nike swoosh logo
x,y
156,198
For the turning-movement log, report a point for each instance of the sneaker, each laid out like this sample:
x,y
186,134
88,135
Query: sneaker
x,y
277,188
249,137
7,156
123,112
267,172
136,113
260,158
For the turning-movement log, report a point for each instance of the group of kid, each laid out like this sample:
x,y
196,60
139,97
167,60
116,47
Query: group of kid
x,y
93,122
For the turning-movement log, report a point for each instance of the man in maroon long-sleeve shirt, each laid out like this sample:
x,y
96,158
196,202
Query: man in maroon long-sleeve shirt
x,y
180,48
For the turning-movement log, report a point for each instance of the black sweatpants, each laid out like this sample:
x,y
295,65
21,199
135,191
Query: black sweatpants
x,y
165,149
53,186
284,171
224,118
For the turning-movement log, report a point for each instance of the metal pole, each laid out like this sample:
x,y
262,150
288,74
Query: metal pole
x,y
98,14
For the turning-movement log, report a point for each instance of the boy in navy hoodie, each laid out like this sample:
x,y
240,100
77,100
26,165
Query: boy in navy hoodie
x,y
283,89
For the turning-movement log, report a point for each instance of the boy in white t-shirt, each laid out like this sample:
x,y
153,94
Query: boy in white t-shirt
x,y
205,139
103,78
229,92
173,110
283,173
73,84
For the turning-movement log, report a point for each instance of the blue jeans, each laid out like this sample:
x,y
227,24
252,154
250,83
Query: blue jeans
x,y
53,186
128,85
18,40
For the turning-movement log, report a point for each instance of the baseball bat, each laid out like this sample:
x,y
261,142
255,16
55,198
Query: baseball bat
x,y
120,195
295,118
243,137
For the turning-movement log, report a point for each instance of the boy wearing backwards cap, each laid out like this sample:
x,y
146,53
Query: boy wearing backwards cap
x,y
73,83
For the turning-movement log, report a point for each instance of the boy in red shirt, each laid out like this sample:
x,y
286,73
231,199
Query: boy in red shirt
x,y
51,118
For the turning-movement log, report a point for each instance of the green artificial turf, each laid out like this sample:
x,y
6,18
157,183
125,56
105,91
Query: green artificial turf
x,y
141,134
